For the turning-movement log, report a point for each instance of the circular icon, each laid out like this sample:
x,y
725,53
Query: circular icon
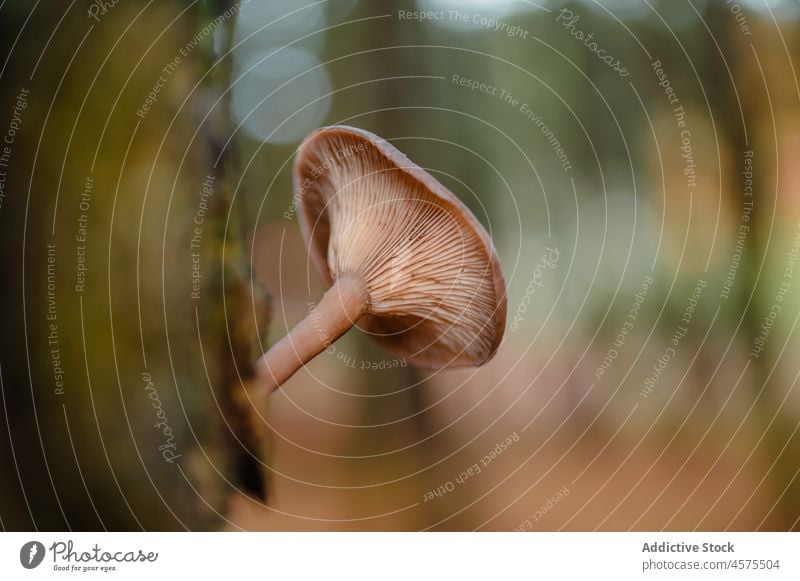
x,y
31,554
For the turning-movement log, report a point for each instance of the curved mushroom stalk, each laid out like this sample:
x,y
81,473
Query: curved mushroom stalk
x,y
402,254
340,308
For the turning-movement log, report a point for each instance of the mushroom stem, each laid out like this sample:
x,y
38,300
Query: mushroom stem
x,y
340,308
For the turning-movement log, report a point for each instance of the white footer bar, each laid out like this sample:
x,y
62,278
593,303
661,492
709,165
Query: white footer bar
x,y
402,556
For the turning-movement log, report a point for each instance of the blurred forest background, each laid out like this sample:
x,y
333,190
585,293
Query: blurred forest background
x,y
646,216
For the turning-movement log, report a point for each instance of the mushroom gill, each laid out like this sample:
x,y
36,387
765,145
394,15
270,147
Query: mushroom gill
x,y
434,292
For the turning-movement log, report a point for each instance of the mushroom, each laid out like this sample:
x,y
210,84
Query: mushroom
x,y
406,260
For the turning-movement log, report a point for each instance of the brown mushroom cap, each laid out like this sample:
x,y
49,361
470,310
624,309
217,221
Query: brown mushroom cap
x,y
436,295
